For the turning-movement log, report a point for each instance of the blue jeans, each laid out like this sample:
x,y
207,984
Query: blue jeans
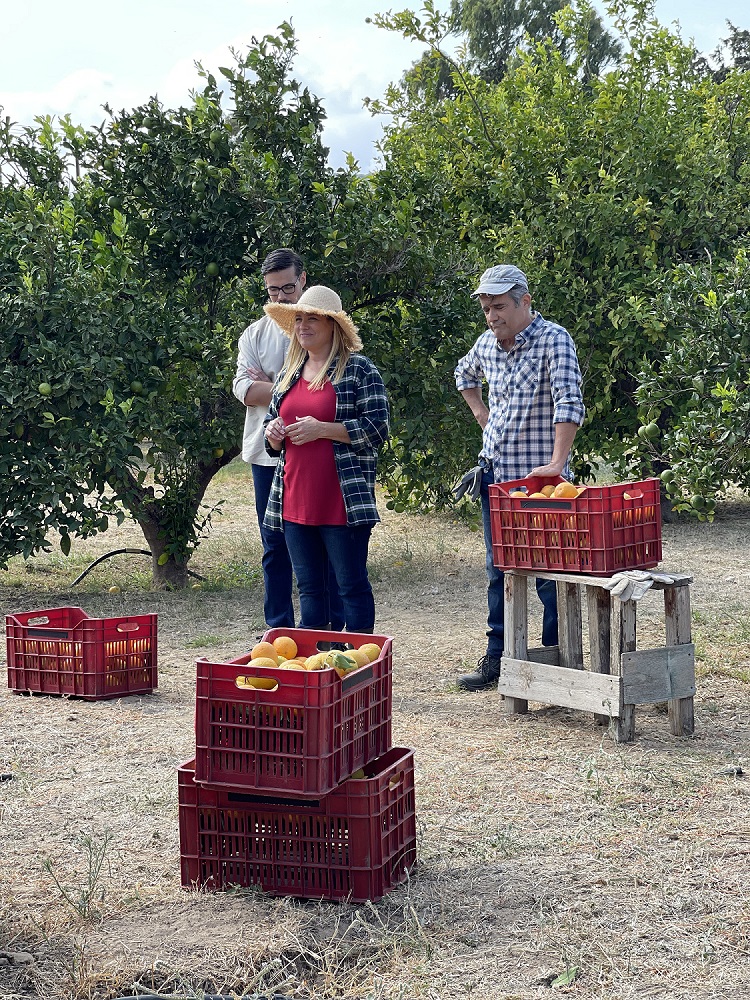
x,y
496,589
278,609
345,547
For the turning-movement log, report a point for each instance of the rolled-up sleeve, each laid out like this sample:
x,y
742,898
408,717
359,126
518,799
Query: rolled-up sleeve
x,y
368,430
565,381
247,357
468,372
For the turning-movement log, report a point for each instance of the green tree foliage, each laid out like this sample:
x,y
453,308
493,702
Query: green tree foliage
x,y
598,190
737,46
698,391
129,265
493,31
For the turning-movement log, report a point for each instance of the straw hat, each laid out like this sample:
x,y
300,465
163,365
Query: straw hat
x,y
315,299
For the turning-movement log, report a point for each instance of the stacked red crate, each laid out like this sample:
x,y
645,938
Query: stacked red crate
x,y
270,799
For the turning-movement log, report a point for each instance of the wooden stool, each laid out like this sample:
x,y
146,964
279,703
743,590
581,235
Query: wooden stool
x,y
620,677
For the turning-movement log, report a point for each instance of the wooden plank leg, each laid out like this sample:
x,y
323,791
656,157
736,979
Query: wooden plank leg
x,y
623,640
516,632
678,632
600,619
570,629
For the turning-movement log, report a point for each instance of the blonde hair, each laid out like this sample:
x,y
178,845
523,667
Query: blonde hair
x,y
297,355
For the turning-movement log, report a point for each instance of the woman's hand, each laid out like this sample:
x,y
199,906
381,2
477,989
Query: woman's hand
x,y
304,430
276,432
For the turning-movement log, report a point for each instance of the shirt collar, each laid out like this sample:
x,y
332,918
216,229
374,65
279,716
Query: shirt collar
x,y
528,333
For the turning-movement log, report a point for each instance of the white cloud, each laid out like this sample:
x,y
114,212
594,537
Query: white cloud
x,y
80,94
340,58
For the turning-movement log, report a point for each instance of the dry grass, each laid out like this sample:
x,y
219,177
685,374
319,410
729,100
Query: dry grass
x,y
546,852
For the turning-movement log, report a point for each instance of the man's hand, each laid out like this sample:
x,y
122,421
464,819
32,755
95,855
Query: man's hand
x,y
470,484
258,375
548,471
477,406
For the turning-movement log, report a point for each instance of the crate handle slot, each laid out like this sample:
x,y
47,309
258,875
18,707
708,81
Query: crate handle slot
x,y
632,495
395,780
128,626
257,683
40,620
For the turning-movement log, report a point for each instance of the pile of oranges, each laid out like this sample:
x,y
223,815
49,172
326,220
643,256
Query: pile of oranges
x,y
563,491
283,652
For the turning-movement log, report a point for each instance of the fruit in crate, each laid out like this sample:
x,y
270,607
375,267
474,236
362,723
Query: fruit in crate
x,y
265,650
372,649
548,490
340,662
315,662
360,656
565,491
265,661
285,646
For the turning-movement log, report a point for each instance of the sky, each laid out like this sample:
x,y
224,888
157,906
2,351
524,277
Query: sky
x,y
72,57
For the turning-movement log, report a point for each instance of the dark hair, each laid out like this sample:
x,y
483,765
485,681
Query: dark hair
x,y
280,260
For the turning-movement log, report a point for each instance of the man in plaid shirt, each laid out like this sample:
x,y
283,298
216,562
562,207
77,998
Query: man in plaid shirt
x,y
533,411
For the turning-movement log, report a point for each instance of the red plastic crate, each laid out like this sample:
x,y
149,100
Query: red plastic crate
x,y
63,651
302,737
599,532
355,843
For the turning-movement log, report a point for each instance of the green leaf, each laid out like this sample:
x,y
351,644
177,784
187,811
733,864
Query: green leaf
x,y
566,978
163,559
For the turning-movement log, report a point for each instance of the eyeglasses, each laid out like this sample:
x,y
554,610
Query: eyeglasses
x,y
274,290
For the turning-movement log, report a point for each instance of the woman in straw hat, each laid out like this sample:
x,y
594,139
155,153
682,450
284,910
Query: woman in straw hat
x,y
327,420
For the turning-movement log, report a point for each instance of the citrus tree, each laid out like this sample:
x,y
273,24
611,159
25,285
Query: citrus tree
x,y
129,260
598,188
695,400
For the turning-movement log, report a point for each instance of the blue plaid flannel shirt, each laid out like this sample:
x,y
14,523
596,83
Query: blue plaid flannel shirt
x,y
362,407
530,388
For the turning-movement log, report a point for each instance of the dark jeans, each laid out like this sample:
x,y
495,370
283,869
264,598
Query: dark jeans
x,y
346,549
496,589
278,609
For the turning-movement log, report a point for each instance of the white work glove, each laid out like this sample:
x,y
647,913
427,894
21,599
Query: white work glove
x,y
470,484
632,584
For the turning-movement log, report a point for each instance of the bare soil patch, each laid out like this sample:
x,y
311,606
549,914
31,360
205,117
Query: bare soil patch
x,y
546,851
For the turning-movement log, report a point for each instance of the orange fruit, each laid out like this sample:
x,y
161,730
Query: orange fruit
x,y
315,662
565,491
538,496
264,661
548,490
285,646
264,649
371,649
360,656
517,493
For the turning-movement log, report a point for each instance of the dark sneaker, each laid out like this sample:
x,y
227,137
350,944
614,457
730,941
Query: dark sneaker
x,y
485,676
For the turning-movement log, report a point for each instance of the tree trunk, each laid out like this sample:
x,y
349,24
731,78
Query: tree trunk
x,y
172,575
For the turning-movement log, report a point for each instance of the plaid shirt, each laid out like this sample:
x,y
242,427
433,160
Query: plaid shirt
x,y
531,388
362,407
